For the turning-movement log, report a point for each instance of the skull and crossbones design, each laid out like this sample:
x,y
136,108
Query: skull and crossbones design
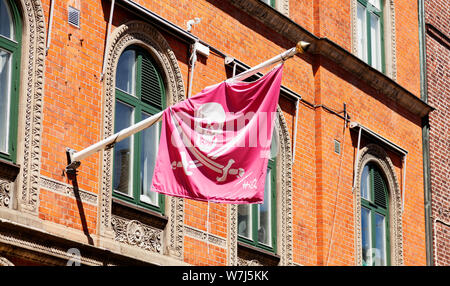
x,y
208,126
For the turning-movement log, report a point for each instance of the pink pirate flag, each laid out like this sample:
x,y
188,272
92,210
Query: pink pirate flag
x,y
215,145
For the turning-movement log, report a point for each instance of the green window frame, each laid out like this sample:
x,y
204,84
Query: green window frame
x,y
372,46
374,217
11,46
147,97
271,3
253,212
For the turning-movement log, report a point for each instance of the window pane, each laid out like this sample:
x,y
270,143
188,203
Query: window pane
x,y
361,32
264,213
5,83
245,221
149,149
365,183
366,237
380,243
6,24
375,39
274,144
126,72
375,3
123,150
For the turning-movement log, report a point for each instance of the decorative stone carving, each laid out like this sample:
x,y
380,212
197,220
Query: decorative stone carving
x,y
283,7
232,235
8,175
175,231
285,197
376,154
5,262
133,232
20,241
206,237
5,193
31,99
253,262
148,37
65,189
284,202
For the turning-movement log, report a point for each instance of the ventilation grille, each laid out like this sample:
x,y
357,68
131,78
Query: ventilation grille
x,y
74,17
151,87
379,189
337,147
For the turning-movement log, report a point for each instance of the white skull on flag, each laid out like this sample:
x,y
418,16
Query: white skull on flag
x,y
208,125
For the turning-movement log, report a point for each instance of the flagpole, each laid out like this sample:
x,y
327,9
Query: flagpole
x,y
300,48
74,157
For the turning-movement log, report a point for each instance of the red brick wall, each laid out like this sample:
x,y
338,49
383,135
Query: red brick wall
x,y
407,40
72,99
73,117
437,14
67,211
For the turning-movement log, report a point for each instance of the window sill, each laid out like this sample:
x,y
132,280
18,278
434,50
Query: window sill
x,y
249,252
134,212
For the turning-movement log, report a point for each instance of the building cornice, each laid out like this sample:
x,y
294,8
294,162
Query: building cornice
x,y
319,46
26,236
343,58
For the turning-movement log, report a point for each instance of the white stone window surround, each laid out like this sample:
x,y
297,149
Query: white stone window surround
x,y
373,153
388,33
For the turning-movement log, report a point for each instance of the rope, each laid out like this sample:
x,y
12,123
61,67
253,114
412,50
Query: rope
x,y
337,196
207,229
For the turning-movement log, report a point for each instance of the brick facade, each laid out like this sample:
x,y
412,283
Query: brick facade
x,y
318,219
437,67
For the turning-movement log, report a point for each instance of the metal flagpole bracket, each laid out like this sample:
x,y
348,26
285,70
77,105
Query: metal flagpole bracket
x,y
72,165
74,157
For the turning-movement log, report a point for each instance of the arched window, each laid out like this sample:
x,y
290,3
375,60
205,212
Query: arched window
x,y
374,217
257,224
139,94
10,38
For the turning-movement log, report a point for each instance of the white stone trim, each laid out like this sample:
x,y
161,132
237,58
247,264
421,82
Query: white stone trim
x,y
30,115
390,44
284,203
148,37
376,154
67,190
